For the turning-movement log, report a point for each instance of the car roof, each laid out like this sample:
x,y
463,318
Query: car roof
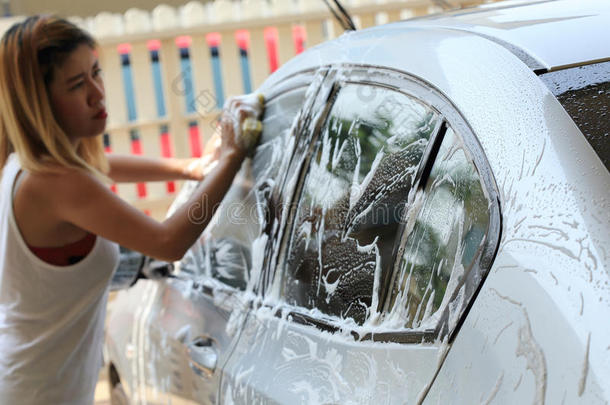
x,y
546,35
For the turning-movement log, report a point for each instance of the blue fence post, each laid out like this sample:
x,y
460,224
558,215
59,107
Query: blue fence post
x,y
132,115
213,39
243,42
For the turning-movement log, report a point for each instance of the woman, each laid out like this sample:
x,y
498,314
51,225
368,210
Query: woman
x,y
59,221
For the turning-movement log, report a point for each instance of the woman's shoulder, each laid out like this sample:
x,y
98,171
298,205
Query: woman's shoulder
x,y
61,183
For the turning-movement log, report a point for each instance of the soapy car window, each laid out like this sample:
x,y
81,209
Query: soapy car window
x,y
224,249
447,237
353,197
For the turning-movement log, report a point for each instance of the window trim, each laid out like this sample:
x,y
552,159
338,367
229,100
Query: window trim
x,y
303,146
419,183
435,99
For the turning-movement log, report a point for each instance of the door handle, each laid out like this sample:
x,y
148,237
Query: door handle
x,y
203,356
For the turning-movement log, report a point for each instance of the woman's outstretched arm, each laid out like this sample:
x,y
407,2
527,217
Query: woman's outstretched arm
x,y
131,169
81,199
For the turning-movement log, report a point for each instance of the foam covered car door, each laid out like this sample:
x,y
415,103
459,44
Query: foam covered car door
x,y
187,325
378,244
178,339
292,145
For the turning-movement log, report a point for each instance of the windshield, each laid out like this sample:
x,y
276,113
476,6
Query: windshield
x,y
584,92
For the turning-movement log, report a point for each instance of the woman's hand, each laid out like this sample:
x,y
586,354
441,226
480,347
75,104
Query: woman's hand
x,y
229,131
233,136
236,139
198,168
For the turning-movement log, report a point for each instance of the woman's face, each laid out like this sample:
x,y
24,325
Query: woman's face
x,y
77,95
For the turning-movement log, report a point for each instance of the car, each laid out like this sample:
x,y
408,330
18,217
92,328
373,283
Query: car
x,y
425,220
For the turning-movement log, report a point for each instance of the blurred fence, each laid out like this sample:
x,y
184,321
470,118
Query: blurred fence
x,y
167,72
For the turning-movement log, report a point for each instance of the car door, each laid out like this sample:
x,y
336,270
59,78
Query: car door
x,y
392,228
186,325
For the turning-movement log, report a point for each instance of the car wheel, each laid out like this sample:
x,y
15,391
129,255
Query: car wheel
x,y
117,394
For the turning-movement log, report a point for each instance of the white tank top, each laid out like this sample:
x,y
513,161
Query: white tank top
x,y
51,317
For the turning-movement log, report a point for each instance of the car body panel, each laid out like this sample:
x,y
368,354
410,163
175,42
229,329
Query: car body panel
x,y
577,28
515,346
118,347
313,367
167,318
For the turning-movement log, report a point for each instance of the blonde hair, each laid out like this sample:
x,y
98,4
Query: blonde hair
x,y
30,52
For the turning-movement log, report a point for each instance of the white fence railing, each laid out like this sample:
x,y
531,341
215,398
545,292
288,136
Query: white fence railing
x,y
168,71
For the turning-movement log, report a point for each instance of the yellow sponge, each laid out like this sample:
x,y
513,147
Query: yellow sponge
x,y
252,128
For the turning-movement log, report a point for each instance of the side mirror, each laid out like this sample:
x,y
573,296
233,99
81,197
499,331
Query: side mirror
x,y
155,269
126,275
134,266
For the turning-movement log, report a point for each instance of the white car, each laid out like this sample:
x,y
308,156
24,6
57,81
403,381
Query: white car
x,y
426,220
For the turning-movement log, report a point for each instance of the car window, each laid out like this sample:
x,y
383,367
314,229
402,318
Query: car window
x,y
354,193
584,92
224,251
444,241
